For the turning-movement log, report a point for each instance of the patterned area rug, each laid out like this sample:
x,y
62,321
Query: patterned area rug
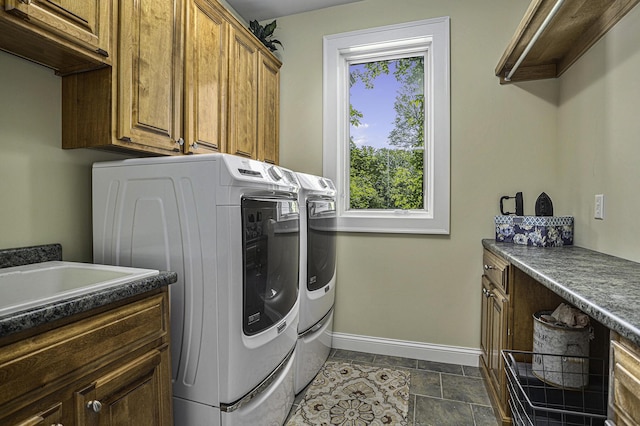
x,y
355,395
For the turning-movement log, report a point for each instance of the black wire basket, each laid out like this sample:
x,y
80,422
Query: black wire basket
x,y
534,402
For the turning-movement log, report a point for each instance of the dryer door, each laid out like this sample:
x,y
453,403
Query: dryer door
x,y
321,242
271,238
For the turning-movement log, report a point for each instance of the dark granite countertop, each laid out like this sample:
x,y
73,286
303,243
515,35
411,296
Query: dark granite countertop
x,y
605,287
24,320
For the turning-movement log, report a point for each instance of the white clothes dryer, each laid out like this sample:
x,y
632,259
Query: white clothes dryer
x,y
229,227
318,233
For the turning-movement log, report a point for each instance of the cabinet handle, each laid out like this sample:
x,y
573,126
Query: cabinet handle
x,y
487,293
179,144
57,424
94,406
487,267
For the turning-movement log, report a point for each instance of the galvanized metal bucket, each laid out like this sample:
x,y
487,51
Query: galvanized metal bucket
x,y
560,353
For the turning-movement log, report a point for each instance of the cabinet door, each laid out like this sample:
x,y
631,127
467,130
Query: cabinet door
x,y
83,22
625,384
205,78
485,324
149,71
129,395
243,106
268,109
498,339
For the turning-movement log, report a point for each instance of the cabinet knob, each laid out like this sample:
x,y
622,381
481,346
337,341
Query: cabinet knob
x,y
487,267
180,142
57,424
194,145
94,406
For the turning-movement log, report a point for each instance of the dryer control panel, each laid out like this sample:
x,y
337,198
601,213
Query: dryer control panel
x,y
244,169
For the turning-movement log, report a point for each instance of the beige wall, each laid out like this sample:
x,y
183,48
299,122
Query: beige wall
x,y
45,192
571,138
427,288
599,140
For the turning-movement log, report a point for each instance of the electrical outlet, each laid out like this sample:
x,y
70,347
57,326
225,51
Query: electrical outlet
x,y
598,211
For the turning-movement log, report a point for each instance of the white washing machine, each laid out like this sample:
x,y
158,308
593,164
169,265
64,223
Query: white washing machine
x,y
229,227
318,229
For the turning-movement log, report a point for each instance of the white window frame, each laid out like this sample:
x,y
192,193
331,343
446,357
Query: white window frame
x,y
429,38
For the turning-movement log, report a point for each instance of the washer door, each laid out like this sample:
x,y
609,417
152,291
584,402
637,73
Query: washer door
x,y
271,239
321,242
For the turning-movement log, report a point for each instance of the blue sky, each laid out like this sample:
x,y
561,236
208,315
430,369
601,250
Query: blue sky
x,y
378,116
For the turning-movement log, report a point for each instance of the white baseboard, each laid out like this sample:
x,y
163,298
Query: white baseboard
x,y
407,349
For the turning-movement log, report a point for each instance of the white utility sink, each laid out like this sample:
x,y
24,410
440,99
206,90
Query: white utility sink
x,y
28,286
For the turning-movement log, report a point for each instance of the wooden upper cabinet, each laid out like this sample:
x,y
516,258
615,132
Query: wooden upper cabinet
x,y
268,109
205,80
254,99
187,78
137,103
150,73
576,26
67,35
243,94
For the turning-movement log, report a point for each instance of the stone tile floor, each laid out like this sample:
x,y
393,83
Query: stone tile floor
x,y
439,394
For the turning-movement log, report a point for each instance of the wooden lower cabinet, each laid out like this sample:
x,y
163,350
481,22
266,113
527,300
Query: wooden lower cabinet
x,y
498,304
509,300
495,304
624,391
112,368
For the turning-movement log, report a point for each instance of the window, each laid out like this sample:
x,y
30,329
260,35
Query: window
x,y
386,127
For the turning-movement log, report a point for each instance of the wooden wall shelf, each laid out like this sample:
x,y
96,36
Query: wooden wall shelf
x,y
577,26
